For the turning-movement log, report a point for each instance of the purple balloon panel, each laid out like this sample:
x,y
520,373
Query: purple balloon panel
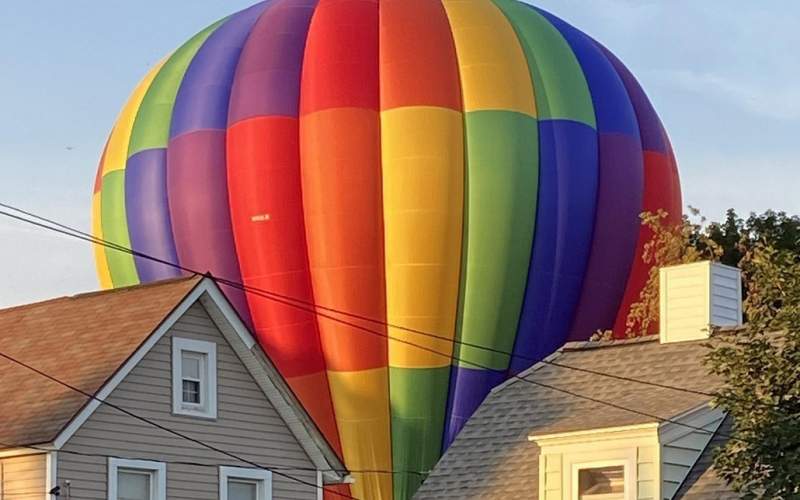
x,y
147,211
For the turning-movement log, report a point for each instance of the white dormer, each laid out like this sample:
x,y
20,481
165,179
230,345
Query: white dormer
x,y
694,297
647,461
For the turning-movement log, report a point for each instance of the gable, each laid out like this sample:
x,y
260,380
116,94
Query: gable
x,y
247,424
79,340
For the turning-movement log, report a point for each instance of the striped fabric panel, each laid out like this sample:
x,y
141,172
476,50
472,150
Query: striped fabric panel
x,y
501,139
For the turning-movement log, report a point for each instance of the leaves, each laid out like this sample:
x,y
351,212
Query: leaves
x,y
759,363
761,370
669,245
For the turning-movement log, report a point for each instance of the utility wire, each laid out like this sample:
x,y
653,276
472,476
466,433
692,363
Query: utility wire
x,y
164,428
270,296
292,302
38,447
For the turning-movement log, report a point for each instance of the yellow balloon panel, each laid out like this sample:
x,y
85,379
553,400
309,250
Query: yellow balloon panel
x,y
493,67
117,152
423,200
361,404
103,274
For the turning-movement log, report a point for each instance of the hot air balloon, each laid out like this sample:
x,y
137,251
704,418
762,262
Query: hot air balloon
x,y
431,195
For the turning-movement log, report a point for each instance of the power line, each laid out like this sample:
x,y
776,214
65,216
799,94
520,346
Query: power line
x,y
290,301
195,464
270,296
164,428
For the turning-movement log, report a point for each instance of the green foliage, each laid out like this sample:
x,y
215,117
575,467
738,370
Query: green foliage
x,y
669,245
696,239
760,365
736,236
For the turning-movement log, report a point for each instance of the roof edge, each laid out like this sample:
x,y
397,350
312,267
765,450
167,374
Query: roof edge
x,y
289,408
108,291
275,387
122,371
585,345
610,432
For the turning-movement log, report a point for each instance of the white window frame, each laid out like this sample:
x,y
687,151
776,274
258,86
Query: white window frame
x,y
157,470
628,481
262,477
208,378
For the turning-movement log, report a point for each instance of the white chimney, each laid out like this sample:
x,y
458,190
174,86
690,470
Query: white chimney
x,y
696,296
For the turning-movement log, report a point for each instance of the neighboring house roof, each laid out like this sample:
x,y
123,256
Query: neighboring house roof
x,y
93,341
81,340
492,457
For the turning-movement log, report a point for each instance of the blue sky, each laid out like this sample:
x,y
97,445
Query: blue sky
x,y
722,74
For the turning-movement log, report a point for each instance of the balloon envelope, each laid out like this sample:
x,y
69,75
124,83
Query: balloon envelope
x,y
430,195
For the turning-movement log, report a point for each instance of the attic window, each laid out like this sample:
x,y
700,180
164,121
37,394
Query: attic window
x,y
194,378
602,483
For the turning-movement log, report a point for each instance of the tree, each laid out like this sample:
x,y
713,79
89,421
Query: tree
x,y
735,236
669,245
760,367
758,363
695,239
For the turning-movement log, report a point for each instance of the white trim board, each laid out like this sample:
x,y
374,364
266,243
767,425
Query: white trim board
x,y
157,469
208,378
261,476
273,385
51,474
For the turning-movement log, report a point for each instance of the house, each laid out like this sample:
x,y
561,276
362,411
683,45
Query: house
x,y
611,420
186,404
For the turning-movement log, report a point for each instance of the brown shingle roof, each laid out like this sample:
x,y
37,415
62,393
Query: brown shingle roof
x,y
492,457
81,340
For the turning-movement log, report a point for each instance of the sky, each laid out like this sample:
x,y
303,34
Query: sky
x,y
721,73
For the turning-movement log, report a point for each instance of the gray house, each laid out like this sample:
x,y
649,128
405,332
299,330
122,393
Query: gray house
x,y
186,405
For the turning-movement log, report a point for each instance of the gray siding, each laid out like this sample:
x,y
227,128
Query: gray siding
x,y
247,425
23,478
681,446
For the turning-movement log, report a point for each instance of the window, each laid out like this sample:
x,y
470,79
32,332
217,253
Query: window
x,y
194,378
236,483
612,463
136,480
602,483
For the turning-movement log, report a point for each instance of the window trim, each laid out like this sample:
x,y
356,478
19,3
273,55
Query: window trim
x,y
158,471
209,392
261,476
627,481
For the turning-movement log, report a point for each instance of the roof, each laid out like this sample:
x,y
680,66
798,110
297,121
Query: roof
x,y
92,341
492,456
81,340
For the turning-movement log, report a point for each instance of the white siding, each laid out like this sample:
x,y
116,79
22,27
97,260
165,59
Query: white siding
x,y
23,478
247,425
646,473
694,296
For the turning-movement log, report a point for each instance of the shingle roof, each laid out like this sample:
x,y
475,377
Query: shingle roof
x,y
81,340
492,457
